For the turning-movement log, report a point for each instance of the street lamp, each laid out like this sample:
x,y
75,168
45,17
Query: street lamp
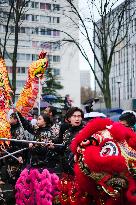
x,y
119,82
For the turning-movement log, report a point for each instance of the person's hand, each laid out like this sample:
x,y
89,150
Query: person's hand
x,y
30,145
20,160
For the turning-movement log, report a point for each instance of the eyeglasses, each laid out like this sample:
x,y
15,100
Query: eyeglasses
x,y
77,116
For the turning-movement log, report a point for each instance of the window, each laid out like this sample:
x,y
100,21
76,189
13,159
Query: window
x,y
23,17
18,70
42,31
35,31
4,28
56,20
34,57
56,7
35,5
56,33
45,31
35,18
42,18
27,30
23,70
56,58
34,44
28,57
12,16
12,29
20,56
49,57
48,6
22,30
46,19
28,17
48,32
6,56
42,5
26,4
5,15
20,83
56,71
9,68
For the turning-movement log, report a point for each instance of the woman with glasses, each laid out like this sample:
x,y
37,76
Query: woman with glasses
x,y
75,119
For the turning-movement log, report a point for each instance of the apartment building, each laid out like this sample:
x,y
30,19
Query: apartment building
x,y
123,70
40,28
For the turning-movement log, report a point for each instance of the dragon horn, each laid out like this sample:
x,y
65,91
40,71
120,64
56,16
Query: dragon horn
x,y
42,55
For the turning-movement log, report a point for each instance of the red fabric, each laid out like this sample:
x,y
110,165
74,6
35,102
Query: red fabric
x,y
42,55
95,162
92,127
103,164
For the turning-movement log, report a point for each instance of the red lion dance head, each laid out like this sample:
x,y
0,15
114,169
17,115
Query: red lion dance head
x,y
105,162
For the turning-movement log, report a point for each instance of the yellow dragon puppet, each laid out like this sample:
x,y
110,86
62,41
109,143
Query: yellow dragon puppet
x,y
28,95
4,100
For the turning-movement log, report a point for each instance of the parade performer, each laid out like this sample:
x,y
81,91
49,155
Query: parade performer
x,y
5,98
13,126
67,183
28,96
36,185
105,165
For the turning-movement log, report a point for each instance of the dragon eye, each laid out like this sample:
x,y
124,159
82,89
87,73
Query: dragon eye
x,y
90,141
109,149
93,141
85,142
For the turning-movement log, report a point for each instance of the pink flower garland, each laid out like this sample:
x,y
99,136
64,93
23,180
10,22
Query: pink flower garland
x,y
33,187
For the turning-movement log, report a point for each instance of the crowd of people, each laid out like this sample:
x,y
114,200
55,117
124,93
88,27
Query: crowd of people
x,y
49,128
55,134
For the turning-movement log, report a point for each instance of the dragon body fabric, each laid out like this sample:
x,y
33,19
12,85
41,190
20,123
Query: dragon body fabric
x,y
4,100
29,93
27,97
105,165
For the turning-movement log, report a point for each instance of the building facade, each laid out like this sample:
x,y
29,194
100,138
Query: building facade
x,y
123,70
85,78
41,28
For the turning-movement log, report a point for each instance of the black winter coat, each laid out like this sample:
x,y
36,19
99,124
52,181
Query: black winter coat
x,y
68,158
40,155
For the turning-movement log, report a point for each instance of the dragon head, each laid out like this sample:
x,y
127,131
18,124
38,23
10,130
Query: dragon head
x,y
37,68
30,91
105,159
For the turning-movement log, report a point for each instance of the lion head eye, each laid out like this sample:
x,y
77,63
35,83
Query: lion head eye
x,y
90,141
93,141
85,142
109,149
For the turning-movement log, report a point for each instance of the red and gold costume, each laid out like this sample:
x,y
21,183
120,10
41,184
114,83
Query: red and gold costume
x,y
4,101
105,165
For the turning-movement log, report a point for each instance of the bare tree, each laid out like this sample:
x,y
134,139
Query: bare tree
x,y
110,29
86,94
17,8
